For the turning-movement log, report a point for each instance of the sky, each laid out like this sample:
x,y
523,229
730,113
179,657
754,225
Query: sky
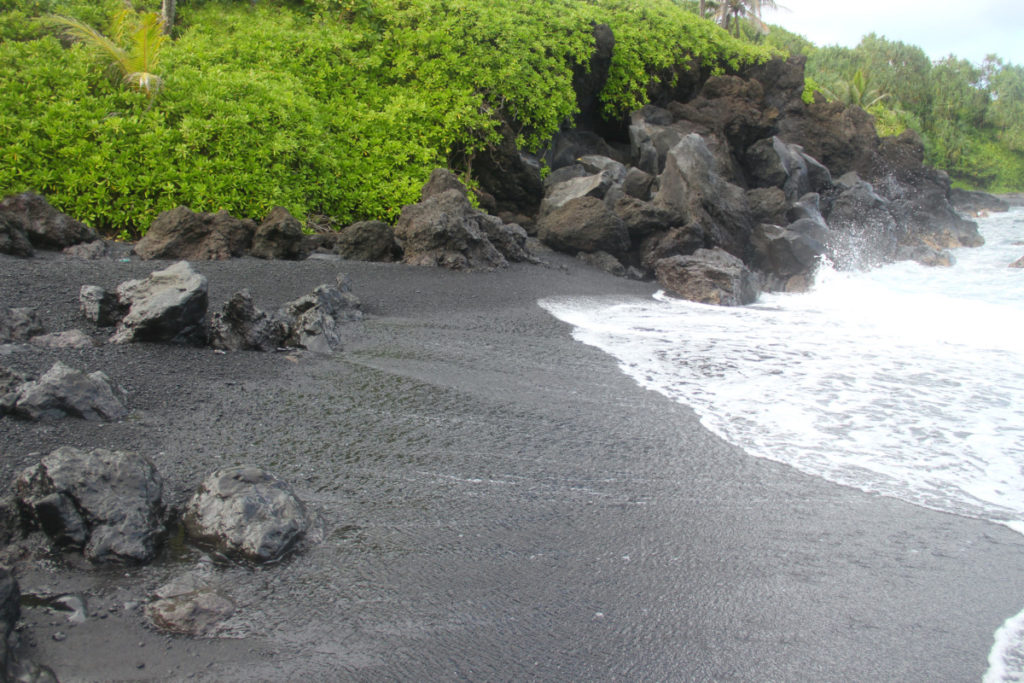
x,y
970,30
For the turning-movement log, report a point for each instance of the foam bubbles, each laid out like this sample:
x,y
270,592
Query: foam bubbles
x,y
905,381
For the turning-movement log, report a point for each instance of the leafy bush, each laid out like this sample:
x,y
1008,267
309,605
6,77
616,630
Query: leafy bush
x,y
338,107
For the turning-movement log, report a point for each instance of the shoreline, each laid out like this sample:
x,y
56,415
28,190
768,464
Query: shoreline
x,y
498,501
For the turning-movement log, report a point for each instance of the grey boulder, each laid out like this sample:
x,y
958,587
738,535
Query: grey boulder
x,y
708,276
106,503
66,392
246,512
168,306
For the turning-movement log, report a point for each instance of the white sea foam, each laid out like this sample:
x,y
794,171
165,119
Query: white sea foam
x,y
904,381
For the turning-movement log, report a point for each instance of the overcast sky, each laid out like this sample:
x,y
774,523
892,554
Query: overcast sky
x,y
970,30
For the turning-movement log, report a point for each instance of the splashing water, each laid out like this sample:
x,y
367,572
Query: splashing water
x,y
905,381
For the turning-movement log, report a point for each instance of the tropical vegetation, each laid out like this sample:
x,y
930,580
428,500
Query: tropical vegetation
x,y
333,107
970,116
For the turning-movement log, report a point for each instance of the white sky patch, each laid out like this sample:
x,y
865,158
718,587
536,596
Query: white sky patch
x,y
940,27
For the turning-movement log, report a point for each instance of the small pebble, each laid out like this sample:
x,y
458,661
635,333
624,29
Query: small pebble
x,y
59,636
140,665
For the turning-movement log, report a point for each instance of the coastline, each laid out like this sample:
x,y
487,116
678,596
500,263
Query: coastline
x,y
499,502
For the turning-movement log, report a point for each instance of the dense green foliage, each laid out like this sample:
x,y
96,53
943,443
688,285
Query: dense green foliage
x,y
336,107
971,117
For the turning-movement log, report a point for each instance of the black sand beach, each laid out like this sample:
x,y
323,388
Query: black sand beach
x,y
497,502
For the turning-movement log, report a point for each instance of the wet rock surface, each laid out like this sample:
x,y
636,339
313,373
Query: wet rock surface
x,y
248,512
108,504
190,605
709,276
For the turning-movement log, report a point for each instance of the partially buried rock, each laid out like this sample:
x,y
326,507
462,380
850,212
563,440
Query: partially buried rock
x,y
247,512
189,605
1019,263
68,339
88,251
19,324
106,503
66,392
168,306
709,276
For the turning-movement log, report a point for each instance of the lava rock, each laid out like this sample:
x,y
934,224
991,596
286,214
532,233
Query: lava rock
x,y
242,326
708,276
19,324
445,230
315,320
88,251
168,306
189,605
65,392
106,503
99,305
279,236
248,512
367,241
68,339
44,226
584,224
13,240
184,234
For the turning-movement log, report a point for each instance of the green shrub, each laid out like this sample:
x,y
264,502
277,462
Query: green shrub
x,y
337,107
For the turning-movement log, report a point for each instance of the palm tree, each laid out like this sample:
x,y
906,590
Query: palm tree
x,y
728,14
857,92
132,50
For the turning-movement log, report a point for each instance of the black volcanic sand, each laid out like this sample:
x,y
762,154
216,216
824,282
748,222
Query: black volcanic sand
x,y
497,502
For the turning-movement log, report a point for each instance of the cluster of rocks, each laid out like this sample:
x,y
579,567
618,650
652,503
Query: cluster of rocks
x,y
108,505
171,306
168,306
736,183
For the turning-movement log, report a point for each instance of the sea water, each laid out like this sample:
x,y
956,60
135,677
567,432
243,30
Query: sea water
x,y
906,381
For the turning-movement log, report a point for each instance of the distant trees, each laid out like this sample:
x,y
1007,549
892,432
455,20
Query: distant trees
x,y
971,117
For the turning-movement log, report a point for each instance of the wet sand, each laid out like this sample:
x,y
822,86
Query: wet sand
x,y
497,502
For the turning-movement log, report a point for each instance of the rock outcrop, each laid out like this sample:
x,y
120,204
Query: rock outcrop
x,y
108,504
741,164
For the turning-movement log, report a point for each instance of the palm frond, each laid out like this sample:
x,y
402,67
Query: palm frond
x,y
90,37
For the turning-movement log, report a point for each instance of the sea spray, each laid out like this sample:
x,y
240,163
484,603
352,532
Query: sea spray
x,y
905,381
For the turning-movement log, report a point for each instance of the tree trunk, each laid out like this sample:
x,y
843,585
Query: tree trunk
x,y
702,8
167,12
